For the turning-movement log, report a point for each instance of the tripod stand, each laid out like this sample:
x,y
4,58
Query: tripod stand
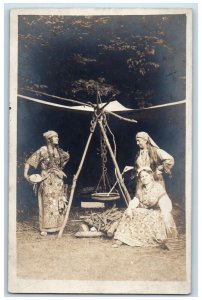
x,y
97,119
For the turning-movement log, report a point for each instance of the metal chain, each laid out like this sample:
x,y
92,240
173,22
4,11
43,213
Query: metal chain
x,y
93,123
103,145
103,148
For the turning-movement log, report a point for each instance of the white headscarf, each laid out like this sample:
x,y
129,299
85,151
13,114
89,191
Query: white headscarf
x,y
49,134
146,137
147,169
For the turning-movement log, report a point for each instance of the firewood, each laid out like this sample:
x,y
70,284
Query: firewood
x,y
112,229
89,234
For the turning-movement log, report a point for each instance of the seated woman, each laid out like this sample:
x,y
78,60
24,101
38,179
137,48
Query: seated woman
x,y
147,222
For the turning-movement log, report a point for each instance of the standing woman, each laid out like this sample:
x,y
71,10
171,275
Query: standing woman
x,y
52,196
150,155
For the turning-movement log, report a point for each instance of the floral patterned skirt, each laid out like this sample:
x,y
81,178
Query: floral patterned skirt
x,y
145,229
52,202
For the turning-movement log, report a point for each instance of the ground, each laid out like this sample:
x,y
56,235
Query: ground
x,y
71,258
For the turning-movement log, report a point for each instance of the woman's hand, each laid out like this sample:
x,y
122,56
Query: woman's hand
x,y
159,170
133,204
129,213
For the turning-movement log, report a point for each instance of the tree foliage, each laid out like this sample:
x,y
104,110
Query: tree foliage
x,y
135,59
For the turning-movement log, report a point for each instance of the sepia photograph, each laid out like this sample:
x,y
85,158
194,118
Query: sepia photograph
x,y
100,151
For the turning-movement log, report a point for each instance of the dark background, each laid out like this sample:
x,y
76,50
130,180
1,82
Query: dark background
x,y
137,60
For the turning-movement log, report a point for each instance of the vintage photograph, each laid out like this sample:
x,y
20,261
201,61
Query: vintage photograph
x,y
100,151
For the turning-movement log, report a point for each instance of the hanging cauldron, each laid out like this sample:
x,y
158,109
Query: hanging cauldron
x,y
105,196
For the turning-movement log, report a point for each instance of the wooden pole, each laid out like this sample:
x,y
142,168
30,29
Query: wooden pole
x,y
121,118
120,178
75,180
61,98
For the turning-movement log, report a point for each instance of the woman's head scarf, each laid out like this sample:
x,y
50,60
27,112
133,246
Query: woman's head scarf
x,y
146,169
49,134
146,137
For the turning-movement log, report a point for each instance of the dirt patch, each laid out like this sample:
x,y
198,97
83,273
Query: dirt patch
x,y
71,258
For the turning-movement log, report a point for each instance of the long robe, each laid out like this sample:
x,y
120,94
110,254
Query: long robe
x,y
151,222
52,193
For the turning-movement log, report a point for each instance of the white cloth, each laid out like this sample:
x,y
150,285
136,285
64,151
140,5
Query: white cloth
x,y
133,203
146,137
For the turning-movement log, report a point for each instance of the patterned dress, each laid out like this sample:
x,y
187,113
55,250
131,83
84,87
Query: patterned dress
x,y
162,158
52,195
151,223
